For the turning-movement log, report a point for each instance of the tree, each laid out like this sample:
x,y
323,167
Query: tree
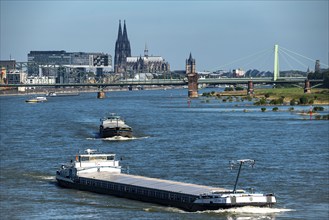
x,y
303,100
324,75
326,79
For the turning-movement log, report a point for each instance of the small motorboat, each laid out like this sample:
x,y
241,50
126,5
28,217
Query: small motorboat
x,y
36,99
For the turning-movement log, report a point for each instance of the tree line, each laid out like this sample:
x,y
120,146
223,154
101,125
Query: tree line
x,y
321,75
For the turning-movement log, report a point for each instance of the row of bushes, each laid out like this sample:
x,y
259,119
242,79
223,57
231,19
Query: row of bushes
x,y
301,101
315,109
238,88
263,101
275,109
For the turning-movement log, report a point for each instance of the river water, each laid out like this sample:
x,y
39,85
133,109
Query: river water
x,y
171,141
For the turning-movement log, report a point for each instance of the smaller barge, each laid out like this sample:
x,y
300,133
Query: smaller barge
x,y
101,173
114,126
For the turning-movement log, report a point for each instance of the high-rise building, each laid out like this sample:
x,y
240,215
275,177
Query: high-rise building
x,y
69,58
237,73
122,49
38,60
68,67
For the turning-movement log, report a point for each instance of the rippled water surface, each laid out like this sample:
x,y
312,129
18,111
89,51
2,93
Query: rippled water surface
x,y
171,141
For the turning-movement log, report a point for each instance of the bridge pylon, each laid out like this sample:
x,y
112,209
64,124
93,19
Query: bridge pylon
x,y
250,90
276,72
101,93
307,86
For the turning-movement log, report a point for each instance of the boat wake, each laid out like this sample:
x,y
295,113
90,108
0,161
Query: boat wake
x,y
249,210
164,208
40,177
118,138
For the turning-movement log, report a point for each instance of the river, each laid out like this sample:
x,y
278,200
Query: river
x,y
171,141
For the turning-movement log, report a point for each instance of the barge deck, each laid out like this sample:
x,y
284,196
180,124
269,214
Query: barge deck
x,y
152,183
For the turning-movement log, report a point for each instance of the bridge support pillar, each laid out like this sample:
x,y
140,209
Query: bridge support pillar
x,y
192,78
250,90
101,94
192,86
307,87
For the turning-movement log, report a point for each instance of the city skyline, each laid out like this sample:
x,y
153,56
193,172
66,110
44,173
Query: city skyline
x,y
215,32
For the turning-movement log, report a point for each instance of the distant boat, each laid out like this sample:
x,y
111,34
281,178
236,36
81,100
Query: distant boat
x,y
113,125
37,99
61,94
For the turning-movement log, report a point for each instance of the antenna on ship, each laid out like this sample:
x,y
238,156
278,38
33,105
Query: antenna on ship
x,y
239,163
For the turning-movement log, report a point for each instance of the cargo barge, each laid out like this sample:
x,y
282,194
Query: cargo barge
x,y
114,126
101,173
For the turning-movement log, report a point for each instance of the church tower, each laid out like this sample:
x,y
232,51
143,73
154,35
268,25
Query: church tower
x,y
192,77
146,52
122,49
317,68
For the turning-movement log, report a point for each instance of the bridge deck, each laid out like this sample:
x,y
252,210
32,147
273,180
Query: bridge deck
x,y
173,82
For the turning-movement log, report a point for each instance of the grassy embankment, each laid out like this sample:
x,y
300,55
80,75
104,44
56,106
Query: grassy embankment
x,y
317,96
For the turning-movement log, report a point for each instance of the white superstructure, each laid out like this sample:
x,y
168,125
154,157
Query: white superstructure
x,y
89,162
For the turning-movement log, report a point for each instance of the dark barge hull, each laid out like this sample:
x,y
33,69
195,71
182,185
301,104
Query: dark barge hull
x,y
170,198
112,132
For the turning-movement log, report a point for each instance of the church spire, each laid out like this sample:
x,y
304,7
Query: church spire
x,y
125,41
124,35
190,59
119,32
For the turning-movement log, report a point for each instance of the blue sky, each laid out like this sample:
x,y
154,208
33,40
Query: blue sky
x,y
216,32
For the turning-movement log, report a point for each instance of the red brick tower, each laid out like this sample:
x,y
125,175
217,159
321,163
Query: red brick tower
x,y
192,77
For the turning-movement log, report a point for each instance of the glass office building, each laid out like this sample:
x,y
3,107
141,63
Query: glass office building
x,y
55,59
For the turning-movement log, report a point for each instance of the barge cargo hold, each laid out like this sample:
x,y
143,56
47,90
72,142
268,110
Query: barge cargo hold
x,y
101,173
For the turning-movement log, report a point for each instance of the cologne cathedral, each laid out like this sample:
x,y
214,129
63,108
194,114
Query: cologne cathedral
x,y
122,50
124,62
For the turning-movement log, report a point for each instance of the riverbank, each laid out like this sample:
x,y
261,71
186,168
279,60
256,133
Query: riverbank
x,y
45,91
286,95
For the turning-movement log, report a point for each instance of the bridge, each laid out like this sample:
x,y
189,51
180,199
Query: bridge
x,y
174,82
276,79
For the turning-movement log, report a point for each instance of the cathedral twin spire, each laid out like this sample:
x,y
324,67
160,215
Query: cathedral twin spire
x,y
122,49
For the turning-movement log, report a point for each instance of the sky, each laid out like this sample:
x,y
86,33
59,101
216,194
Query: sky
x,y
219,34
